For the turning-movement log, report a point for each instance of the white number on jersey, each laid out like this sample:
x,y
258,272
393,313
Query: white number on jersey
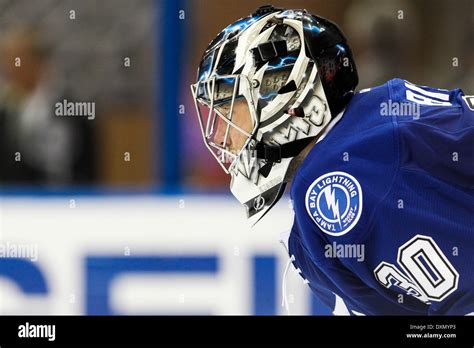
x,y
426,272
423,96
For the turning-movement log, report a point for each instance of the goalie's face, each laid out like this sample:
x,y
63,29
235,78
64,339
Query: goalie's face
x,y
227,119
228,136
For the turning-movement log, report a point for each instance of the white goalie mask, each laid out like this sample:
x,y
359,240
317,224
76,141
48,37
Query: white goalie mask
x,y
267,85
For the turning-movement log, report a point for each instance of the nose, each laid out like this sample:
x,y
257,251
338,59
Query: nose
x,y
220,133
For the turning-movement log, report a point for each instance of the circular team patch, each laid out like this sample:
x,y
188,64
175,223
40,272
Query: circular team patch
x,y
334,202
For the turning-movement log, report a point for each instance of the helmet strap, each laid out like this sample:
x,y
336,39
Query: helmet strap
x,y
273,153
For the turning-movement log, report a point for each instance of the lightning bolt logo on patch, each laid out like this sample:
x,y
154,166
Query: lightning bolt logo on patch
x,y
334,202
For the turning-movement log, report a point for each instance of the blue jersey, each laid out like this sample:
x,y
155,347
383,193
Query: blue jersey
x,y
384,205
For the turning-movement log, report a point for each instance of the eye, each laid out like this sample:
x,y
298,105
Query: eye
x,y
223,109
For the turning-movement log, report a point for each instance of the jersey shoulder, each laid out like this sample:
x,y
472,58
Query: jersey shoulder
x,y
347,172
436,131
415,101
364,153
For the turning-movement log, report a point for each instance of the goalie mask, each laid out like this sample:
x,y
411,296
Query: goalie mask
x,y
267,85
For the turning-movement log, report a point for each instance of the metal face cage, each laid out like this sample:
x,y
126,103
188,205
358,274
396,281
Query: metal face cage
x,y
226,115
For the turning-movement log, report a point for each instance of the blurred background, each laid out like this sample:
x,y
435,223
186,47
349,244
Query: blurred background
x,y
132,189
